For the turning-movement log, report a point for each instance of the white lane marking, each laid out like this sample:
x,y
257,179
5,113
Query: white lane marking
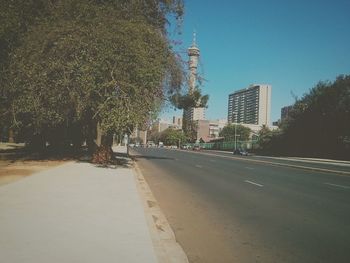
x,y
250,182
338,185
199,166
250,168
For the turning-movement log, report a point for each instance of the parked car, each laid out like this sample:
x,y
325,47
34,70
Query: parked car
x,y
196,148
185,147
151,144
240,152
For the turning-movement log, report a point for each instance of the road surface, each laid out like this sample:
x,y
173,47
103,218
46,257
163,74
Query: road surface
x,y
252,209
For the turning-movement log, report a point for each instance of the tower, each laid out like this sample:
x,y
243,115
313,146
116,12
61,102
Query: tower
x,y
193,54
196,113
193,118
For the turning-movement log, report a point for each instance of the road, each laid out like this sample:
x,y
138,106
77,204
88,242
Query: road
x,y
251,209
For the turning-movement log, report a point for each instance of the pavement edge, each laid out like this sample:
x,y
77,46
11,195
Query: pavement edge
x,y
167,249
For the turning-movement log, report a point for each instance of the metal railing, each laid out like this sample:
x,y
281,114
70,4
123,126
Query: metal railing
x,y
226,146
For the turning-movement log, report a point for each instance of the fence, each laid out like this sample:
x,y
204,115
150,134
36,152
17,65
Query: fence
x,y
227,146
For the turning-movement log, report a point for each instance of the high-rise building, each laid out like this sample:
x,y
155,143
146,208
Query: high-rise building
x,y
250,106
285,111
177,121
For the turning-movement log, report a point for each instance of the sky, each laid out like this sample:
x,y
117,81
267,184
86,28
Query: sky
x,y
289,44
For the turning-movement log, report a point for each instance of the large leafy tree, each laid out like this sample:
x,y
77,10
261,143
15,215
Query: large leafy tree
x,y
173,137
229,131
89,62
319,123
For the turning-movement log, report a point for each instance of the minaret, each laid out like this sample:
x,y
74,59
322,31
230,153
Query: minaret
x,y
193,54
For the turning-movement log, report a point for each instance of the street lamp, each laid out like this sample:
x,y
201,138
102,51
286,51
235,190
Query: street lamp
x,y
235,123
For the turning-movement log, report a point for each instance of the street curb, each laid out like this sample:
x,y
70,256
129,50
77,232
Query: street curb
x,y
167,249
338,172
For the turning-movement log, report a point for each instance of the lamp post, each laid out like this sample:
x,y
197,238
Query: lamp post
x,y
235,123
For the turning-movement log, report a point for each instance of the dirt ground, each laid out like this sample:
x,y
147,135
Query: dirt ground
x,y
13,171
15,166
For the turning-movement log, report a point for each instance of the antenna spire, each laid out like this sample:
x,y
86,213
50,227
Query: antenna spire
x,y
194,38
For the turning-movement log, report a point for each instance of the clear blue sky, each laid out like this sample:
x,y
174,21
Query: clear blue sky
x,y
290,44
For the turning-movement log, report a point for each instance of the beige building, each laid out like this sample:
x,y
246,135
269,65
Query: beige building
x,y
160,125
203,130
250,106
177,122
215,127
139,136
195,114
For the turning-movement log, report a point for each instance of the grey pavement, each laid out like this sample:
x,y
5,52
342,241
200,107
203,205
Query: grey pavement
x,y
76,212
249,211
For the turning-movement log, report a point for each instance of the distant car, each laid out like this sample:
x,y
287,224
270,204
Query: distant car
x,y
151,144
240,152
185,147
196,148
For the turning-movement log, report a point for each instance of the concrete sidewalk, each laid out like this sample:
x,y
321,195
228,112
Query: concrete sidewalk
x,y
76,212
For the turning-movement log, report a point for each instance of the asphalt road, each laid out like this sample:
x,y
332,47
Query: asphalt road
x,y
251,209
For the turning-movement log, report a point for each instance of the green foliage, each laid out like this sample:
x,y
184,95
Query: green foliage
x,y
228,132
172,137
154,136
190,100
190,129
77,63
319,124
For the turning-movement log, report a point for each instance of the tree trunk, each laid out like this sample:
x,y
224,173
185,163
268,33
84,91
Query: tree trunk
x,y
103,154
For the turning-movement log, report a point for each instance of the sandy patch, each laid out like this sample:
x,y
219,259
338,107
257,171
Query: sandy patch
x,y
13,171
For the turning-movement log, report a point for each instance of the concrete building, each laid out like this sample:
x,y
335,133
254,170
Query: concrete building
x,y
250,106
160,125
215,127
194,114
177,122
285,111
139,136
203,130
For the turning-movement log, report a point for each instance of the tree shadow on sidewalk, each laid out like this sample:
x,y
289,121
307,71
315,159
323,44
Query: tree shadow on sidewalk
x,y
149,157
119,160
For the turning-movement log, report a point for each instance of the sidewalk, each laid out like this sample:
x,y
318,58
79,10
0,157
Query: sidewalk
x,y
76,212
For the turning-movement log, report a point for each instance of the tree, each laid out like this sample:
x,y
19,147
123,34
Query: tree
x,y
172,137
84,63
190,100
319,123
186,102
228,132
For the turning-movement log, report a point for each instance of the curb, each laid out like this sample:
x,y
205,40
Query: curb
x,y
166,248
310,168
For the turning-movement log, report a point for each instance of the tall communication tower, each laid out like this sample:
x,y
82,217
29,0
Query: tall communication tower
x,y
196,113
193,54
